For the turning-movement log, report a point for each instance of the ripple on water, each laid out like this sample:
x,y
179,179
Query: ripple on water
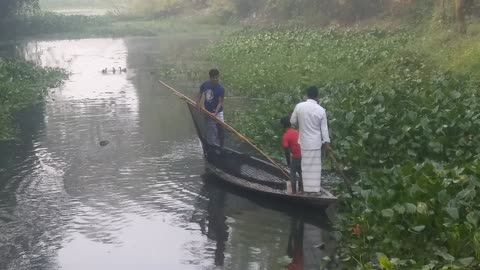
x,y
140,201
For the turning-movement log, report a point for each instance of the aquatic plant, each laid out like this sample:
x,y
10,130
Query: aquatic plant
x,y
22,84
407,126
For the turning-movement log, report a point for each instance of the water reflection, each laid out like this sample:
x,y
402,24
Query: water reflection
x,y
159,109
295,244
247,236
214,224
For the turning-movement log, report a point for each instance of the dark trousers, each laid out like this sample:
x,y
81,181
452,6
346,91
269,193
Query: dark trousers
x,y
296,168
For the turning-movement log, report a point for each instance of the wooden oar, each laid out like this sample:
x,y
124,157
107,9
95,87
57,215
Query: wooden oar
x,y
346,180
225,125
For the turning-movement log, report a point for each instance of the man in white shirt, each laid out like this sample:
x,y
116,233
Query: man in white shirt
x,y
311,120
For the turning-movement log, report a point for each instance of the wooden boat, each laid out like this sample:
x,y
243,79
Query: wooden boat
x,y
257,176
240,163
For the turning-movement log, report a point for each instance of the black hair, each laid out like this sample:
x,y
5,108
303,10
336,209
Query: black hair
x,y
214,73
312,92
285,122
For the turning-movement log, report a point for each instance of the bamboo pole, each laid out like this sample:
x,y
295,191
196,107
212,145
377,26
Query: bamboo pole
x,y
225,125
346,180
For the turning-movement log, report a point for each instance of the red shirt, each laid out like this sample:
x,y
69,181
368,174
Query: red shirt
x,y
297,262
290,141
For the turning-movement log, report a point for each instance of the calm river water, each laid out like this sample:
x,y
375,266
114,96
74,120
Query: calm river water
x,y
143,201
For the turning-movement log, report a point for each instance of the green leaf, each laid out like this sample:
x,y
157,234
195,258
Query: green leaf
x,y
387,213
411,153
412,115
346,258
467,194
385,263
392,141
350,117
466,261
399,208
365,193
452,212
424,122
419,228
443,196
437,147
422,208
357,189
406,129
411,208
445,256
429,266
472,217
456,94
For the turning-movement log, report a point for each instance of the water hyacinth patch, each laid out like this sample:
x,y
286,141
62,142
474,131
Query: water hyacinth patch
x,y
22,84
406,127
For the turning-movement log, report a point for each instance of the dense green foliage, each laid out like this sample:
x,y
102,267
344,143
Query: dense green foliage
x,y
50,23
317,12
23,84
343,10
56,4
408,126
13,7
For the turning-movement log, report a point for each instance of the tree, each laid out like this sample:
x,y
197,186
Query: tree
x,y
460,15
13,7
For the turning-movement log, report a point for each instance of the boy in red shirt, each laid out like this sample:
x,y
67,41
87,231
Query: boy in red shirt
x,y
290,144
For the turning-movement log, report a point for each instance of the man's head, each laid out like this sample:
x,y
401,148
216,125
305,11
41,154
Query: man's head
x,y
285,122
214,75
312,92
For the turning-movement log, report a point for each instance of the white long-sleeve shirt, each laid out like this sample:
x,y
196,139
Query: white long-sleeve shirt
x,y
311,119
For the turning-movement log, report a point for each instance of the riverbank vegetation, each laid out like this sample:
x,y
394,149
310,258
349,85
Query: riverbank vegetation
x,y
98,18
405,119
51,24
145,18
403,105
21,85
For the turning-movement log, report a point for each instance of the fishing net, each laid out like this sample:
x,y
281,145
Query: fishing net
x,y
225,150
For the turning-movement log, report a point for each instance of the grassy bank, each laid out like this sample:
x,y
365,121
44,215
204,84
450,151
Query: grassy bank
x,y
81,26
23,84
404,113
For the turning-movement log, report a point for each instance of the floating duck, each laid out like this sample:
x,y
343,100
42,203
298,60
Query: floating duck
x,y
122,69
104,71
114,70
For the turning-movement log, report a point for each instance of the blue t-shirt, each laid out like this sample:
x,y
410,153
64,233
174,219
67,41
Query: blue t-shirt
x,y
212,95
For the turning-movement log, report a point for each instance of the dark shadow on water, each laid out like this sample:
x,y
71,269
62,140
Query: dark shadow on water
x,y
312,215
17,162
214,225
27,125
225,201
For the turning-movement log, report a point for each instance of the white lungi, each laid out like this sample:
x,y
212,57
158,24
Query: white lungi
x,y
312,170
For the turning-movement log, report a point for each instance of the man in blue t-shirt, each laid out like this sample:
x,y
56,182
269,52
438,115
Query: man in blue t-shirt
x,y
214,95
